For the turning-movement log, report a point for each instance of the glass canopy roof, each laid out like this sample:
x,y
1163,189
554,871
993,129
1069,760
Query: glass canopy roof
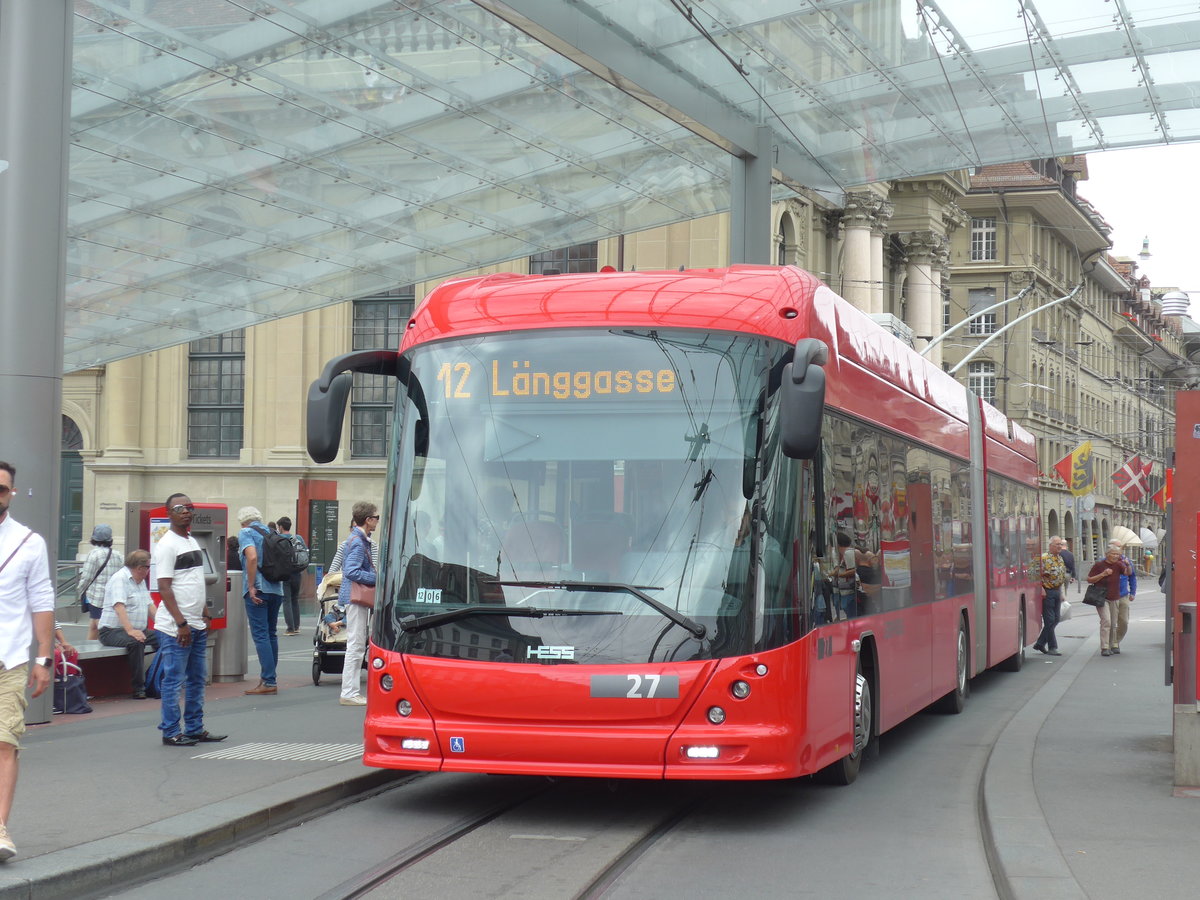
x,y
239,160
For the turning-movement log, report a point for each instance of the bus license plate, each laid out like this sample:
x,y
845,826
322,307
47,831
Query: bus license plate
x,y
636,687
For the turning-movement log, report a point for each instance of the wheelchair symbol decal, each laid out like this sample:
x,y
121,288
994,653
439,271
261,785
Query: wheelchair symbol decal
x,y
458,745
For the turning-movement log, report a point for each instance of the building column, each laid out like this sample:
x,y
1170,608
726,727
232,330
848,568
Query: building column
x,y
856,264
939,273
878,232
35,84
125,394
920,316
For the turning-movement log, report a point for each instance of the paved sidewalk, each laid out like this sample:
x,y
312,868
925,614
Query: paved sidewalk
x,y
1078,793
101,802
1077,796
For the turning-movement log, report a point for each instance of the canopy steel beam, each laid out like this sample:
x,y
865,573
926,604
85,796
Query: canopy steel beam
x,y
610,55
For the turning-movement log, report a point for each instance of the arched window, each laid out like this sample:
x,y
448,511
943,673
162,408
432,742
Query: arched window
x,y
72,437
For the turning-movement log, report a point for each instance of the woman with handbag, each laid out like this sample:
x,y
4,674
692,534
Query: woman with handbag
x,y
1106,573
101,564
357,597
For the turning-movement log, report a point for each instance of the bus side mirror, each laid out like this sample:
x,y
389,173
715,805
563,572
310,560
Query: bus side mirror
x,y
327,396
802,399
326,410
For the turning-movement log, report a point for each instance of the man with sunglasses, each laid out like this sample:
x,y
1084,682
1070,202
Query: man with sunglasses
x,y
182,626
26,611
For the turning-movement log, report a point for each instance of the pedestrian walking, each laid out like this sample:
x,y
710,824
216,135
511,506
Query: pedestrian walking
x,y
26,612
1051,571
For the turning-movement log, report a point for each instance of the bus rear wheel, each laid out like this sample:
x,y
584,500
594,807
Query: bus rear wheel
x,y
1017,660
845,770
954,702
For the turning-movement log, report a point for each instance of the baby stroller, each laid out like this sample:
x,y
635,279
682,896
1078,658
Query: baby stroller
x,y
329,641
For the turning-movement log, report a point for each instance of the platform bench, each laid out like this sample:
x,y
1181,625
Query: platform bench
x,y
105,669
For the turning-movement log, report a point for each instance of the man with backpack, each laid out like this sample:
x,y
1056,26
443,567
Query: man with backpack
x,y
291,584
266,558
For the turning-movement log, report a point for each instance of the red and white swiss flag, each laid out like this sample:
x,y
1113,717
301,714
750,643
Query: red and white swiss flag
x,y
1133,478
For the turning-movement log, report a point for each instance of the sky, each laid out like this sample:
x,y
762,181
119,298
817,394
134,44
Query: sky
x,y
1149,193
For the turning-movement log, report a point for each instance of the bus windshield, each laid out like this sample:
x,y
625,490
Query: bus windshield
x,y
598,496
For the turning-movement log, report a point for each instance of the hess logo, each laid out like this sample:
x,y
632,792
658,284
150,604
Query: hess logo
x,y
551,652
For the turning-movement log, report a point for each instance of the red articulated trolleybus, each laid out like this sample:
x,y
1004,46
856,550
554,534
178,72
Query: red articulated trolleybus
x,y
708,524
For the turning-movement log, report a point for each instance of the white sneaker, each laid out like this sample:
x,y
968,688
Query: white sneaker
x,y
360,700
7,848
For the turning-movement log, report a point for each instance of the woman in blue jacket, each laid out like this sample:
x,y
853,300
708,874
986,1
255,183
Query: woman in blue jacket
x,y
357,568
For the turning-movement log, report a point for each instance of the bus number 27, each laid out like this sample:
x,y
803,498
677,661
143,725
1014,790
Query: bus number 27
x,y
642,687
636,687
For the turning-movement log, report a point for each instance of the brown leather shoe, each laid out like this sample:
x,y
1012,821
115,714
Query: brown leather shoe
x,y
263,689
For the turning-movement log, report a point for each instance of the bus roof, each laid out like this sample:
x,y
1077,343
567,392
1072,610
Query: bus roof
x,y
781,302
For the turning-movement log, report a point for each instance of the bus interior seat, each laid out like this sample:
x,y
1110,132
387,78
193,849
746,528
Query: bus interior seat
x,y
598,543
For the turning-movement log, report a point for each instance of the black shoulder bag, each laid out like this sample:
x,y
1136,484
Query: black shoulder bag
x,y
1095,595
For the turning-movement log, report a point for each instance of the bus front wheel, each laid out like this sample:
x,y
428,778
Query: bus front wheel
x,y
845,770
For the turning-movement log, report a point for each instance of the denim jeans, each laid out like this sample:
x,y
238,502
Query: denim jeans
x,y
1051,601
186,669
291,602
264,618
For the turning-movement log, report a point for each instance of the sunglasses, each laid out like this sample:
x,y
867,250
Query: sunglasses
x,y
372,518
5,490
182,507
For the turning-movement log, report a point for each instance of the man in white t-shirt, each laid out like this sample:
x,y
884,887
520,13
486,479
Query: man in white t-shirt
x,y
26,614
182,625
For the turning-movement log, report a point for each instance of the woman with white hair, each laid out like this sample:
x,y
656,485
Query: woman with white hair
x,y
1119,610
1108,572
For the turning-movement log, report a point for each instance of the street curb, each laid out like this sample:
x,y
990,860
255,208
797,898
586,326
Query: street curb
x,y
116,862
1022,852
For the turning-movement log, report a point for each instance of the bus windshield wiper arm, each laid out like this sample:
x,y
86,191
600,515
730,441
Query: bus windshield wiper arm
x,y
420,623
674,615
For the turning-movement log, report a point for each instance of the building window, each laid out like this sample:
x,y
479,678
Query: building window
x,y
216,395
980,299
378,324
983,240
982,380
580,258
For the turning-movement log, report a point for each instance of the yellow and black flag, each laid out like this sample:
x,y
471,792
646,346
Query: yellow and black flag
x,y
1077,471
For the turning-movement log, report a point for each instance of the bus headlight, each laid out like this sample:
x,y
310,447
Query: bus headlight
x,y
386,682
716,715
404,708
740,690
377,663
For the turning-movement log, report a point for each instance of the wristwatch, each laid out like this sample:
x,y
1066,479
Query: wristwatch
x,y
183,624
46,662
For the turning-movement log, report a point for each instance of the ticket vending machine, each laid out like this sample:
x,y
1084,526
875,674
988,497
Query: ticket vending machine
x,y
146,522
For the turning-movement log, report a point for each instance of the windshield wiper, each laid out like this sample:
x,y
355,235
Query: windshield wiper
x,y
420,623
674,615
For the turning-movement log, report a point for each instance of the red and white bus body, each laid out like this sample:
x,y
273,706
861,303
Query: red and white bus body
x,y
909,457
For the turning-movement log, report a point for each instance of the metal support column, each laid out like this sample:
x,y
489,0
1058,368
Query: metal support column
x,y
35,60
750,204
